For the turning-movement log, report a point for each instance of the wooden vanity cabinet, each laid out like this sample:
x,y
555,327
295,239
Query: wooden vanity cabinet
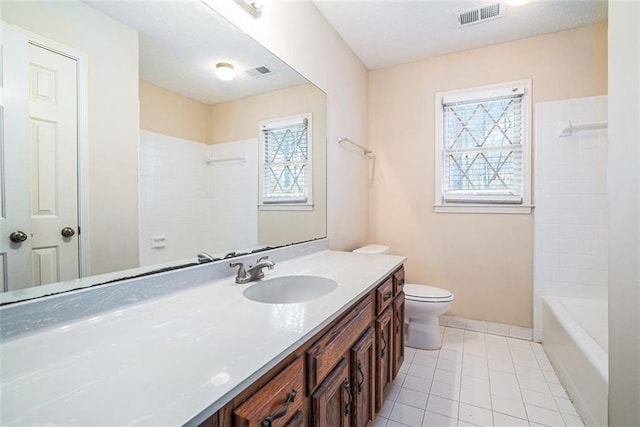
x,y
346,352
277,402
398,333
338,378
331,402
325,354
384,356
398,281
363,377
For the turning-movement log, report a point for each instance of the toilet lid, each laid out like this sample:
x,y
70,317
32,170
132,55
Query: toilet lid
x,y
426,293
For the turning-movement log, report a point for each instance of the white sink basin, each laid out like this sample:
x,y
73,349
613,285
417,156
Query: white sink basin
x,y
290,289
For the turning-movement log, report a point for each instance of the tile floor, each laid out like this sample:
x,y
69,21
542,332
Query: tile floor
x,y
477,379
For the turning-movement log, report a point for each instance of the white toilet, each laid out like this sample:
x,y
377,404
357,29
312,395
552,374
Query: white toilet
x,y
423,305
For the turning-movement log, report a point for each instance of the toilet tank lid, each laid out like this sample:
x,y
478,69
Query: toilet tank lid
x,y
373,249
423,291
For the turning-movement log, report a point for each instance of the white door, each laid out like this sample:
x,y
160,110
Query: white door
x,y
40,164
14,163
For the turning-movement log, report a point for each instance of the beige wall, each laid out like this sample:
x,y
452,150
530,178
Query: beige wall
x,y
112,50
239,119
485,260
300,35
624,213
169,113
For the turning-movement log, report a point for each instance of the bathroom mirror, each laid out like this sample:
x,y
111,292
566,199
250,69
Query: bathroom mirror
x,y
169,159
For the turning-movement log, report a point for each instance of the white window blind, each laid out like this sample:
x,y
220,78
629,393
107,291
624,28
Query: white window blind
x,y
286,165
482,154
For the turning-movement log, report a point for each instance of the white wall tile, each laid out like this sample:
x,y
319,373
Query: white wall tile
x,y
180,195
571,207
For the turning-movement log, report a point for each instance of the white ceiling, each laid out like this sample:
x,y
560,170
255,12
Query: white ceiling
x,y
181,41
391,32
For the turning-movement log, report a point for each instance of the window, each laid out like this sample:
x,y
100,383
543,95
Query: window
x,y
483,149
285,159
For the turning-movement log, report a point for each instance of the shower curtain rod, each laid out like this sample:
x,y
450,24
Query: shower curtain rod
x,y
567,128
214,160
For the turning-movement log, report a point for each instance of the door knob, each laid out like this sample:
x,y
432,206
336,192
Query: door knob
x,y
67,232
18,236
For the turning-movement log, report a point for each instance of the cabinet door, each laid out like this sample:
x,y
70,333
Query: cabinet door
x,y
384,356
363,369
331,402
296,421
212,421
398,333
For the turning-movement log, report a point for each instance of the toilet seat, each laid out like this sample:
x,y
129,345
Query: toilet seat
x,y
422,293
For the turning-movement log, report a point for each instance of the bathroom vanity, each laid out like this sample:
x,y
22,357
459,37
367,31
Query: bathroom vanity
x,y
187,348
339,377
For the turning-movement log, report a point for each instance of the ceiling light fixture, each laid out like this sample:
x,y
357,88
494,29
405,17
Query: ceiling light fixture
x,y
225,71
517,2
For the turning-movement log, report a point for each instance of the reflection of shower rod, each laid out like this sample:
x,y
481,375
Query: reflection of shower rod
x,y
567,128
213,160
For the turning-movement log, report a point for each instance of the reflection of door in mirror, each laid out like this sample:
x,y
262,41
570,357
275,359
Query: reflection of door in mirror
x,y
146,86
40,161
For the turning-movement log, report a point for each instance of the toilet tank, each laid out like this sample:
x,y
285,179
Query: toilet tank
x,y
373,249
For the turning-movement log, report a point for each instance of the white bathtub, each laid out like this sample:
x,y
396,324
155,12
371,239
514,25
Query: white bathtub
x,y
574,335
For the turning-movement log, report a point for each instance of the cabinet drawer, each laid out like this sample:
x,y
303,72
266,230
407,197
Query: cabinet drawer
x,y
272,399
384,295
398,281
325,354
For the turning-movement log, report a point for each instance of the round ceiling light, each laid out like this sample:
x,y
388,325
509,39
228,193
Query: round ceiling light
x,y
225,71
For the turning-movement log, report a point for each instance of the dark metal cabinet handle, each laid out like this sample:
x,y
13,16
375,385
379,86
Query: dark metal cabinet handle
x,y
67,232
385,344
347,387
267,421
387,296
18,236
361,381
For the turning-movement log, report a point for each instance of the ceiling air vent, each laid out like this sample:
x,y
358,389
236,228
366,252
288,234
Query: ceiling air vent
x,y
260,71
479,14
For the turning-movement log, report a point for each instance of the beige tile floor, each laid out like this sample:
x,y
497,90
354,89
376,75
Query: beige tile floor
x,y
477,379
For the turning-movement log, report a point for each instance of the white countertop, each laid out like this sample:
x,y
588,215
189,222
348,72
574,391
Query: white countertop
x,y
173,359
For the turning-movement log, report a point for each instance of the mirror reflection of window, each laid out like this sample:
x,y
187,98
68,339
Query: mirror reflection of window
x,y
286,146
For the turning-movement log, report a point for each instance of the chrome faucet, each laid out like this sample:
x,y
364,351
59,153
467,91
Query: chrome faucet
x,y
204,257
255,272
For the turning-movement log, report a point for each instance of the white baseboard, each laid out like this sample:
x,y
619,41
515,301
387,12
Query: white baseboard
x,y
488,327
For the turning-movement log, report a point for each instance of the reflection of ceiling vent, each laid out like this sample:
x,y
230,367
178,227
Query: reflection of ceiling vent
x,y
257,72
479,14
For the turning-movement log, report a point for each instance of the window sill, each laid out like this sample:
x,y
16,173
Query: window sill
x,y
285,207
466,208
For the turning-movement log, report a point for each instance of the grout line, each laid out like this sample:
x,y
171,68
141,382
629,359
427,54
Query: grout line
x,y
460,350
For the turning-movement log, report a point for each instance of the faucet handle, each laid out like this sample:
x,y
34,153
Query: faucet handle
x,y
241,271
204,257
266,258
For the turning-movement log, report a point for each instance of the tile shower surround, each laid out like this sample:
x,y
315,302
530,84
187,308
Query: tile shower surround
x,y
571,214
177,186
